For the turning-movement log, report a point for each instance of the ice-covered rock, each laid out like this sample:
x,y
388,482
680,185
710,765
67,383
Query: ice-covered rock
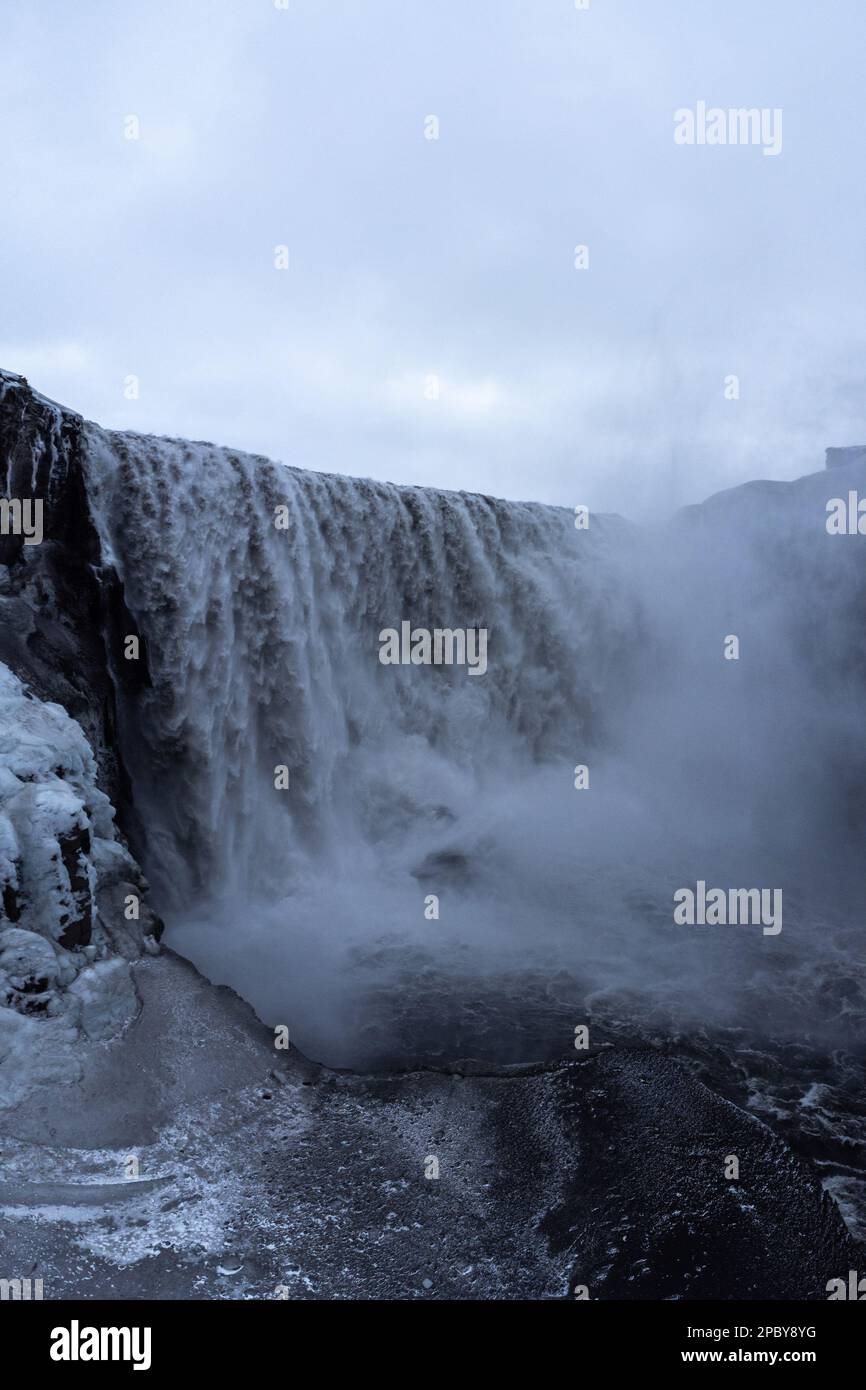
x,y
29,970
102,999
51,811
36,1050
71,909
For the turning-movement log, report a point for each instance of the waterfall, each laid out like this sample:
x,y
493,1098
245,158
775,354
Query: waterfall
x,y
374,853
261,642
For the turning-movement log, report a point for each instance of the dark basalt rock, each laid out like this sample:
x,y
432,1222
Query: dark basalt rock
x,y
75,851
648,1211
60,605
10,907
62,614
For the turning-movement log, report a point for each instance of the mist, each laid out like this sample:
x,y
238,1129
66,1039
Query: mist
x,y
610,649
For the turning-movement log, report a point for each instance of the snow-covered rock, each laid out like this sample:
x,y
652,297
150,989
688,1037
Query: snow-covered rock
x,y
102,998
29,969
35,1051
67,883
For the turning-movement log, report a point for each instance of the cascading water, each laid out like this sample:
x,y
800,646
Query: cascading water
x,y
262,649
555,905
262,644
605,648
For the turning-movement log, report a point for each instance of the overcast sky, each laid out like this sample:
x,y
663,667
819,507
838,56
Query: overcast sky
x,y
411,258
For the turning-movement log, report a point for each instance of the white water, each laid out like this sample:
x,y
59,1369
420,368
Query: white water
x,y
605,648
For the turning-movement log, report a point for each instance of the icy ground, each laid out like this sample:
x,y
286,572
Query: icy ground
x,y
260,1176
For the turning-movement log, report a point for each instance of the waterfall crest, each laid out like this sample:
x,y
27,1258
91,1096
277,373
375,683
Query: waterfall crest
x,y
261,646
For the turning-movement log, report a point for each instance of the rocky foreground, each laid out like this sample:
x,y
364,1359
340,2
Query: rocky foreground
x,y
189,1158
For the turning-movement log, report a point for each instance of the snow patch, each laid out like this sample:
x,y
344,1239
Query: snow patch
x,y
65,878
